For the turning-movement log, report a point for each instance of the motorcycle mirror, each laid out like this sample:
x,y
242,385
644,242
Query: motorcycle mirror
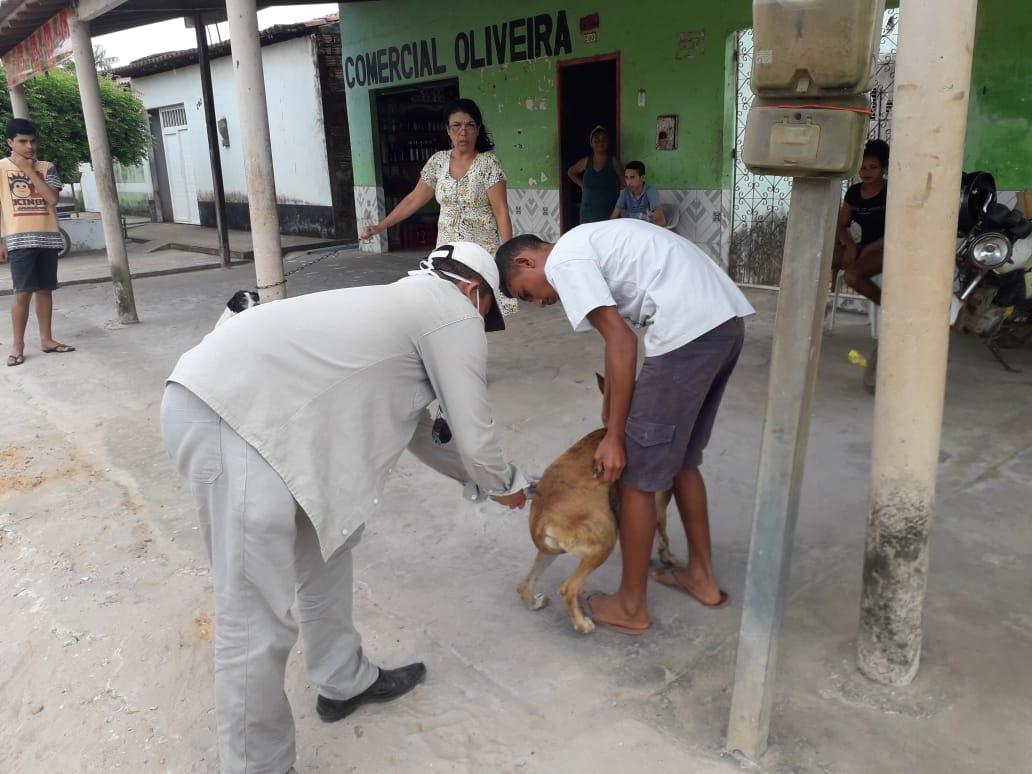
x,y
977,195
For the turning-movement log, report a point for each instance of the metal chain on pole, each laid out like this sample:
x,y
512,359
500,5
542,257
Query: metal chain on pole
x,y
296,269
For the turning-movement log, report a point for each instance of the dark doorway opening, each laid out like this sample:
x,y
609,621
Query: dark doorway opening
x,y
589,95
162,197
411,124
338,132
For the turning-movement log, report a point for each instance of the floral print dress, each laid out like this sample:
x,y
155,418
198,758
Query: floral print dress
x,y
466,213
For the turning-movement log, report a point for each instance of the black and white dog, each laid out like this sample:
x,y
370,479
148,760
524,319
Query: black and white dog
x,y
241,300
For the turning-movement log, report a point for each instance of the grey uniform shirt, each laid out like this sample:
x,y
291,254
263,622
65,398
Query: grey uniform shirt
x,y
330,388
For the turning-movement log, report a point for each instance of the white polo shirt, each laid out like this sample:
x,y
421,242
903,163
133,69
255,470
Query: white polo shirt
x,y
653,277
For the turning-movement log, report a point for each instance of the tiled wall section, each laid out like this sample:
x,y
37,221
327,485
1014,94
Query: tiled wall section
x,y
704,217
369,210
535,211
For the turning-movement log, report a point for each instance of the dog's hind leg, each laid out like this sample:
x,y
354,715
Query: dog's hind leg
x,y
571,590
666,556
528,590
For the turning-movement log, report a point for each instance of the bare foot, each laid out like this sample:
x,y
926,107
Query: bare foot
x,y
611,610
704,590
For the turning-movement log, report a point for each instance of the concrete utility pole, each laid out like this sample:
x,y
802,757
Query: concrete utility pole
x,y
805,276
19,105
933,77
254,128
218,188
100,157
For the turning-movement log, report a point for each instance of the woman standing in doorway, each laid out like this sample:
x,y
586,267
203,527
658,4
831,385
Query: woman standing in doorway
x,y
467,180
599,177
864,205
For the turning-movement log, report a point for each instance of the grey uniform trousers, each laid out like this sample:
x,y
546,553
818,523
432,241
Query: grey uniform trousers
x,y
265,557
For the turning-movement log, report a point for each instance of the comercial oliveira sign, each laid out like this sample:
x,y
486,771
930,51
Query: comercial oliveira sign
x,y
517,40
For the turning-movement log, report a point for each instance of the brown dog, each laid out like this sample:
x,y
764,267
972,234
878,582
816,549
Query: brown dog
x,y
574,512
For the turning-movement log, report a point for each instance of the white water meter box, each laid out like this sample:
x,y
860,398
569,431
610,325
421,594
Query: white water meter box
x,y
815,48
806,139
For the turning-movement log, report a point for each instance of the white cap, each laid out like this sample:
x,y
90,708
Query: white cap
x,y
479,260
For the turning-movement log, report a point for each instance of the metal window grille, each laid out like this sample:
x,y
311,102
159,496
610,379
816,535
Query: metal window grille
x,y
173,117
760,202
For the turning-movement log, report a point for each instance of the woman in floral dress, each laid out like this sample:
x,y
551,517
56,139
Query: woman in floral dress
x,y
468,182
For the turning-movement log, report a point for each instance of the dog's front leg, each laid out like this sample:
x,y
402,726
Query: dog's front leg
x,y
528,590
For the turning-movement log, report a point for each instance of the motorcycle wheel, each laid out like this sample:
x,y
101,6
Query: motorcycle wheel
x,y
67,248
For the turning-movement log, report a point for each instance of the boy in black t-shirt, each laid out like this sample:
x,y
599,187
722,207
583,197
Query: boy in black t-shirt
x,y
864,205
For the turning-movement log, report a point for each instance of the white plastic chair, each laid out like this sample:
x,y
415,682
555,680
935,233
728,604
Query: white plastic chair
x,y
672,215
839,279
873,310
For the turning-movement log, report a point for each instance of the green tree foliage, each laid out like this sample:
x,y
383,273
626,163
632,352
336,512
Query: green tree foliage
x,y
55,109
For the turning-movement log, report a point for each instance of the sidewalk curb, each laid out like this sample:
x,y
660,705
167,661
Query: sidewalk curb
x,y
322,247
134,275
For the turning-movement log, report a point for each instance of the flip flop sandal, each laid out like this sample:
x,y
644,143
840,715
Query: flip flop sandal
x,y
586,605
15,360
673,583
60,349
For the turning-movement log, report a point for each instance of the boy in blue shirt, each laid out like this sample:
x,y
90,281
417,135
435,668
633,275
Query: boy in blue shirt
x,y
638,200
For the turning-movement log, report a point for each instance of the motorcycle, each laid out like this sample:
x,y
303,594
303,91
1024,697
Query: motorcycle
x,y
992,281
992,286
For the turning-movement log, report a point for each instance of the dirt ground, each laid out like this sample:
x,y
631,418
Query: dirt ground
x,y
105,658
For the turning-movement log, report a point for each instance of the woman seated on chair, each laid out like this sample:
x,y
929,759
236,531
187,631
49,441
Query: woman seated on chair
x,y
864,205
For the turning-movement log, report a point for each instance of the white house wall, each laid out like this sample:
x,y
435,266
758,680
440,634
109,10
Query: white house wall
x,y
295,125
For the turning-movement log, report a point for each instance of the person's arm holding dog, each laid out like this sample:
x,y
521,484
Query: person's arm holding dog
x,y
455,359
589,304
621,363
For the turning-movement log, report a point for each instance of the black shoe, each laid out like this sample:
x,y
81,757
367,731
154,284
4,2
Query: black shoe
x,y
388,686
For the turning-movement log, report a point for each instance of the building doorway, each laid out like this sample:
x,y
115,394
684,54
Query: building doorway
x,y
411,130
179,162
589,95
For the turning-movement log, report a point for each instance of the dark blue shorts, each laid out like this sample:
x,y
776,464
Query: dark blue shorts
x,y
675,405
33,268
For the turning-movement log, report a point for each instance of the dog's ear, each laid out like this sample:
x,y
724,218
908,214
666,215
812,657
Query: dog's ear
x,y
601,382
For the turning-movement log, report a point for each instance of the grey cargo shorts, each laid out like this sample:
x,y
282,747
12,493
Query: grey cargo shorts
x,y
675,405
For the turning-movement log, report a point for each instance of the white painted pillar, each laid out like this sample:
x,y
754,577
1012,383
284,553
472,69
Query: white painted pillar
x,y
19,105
254,129
798,327
100,158
933,77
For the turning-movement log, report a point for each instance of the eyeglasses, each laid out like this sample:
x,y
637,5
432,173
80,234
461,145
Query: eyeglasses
x,y
468,126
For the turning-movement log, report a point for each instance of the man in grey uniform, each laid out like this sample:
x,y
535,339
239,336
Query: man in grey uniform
x,y
286,421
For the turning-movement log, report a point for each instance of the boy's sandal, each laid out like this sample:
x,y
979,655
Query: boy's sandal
x,y
668,578
60,348
15,360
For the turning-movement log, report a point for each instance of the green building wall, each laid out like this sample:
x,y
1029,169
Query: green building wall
x,y
681,54
519,99
999,132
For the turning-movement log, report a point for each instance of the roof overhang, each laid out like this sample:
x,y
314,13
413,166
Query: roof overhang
x,y
19,18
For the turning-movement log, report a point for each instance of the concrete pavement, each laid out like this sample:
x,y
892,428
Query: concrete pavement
x,y
157,249
106,660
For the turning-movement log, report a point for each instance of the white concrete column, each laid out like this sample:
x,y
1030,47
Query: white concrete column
x,y
100,158
254,129
933,76
798,327
19,105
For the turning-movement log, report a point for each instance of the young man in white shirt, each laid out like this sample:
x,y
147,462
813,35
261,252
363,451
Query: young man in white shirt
x,y
286,420
658,426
